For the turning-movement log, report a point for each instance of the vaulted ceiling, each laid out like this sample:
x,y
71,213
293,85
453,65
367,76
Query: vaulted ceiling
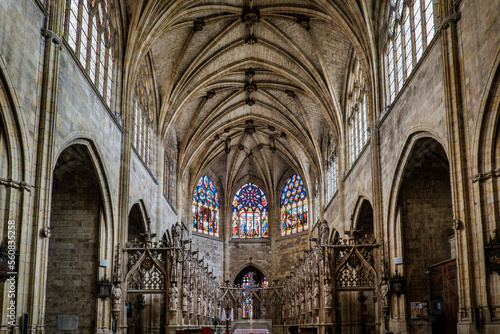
x,y
250,87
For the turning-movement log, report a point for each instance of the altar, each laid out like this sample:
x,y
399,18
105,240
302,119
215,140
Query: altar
x,y
258,326
253,331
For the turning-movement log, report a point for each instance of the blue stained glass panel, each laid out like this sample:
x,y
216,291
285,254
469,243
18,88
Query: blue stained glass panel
x,y
249,206
293,207
206,207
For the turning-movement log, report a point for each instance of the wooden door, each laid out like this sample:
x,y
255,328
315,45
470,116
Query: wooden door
x,y
444,297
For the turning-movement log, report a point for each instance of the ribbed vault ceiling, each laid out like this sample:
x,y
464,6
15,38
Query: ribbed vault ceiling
x,y
249,109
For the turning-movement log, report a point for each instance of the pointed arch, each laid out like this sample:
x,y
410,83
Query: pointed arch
x,y
83,231
137,220
363,217
14,127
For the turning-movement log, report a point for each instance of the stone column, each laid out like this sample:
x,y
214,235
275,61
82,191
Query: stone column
x,y
457,132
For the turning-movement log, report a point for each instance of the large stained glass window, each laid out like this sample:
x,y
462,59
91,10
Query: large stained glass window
x,y
250,213
206,208
294,207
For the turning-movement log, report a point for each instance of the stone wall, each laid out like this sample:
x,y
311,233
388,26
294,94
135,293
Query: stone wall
x,y
211,249
240,252
289,249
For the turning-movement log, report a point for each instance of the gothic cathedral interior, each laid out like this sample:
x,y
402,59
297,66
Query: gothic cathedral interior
x,y
249,166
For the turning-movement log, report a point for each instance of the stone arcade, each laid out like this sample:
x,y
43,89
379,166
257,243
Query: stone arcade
x,y
262,166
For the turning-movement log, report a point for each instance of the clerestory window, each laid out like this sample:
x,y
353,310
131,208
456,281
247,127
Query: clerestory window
x,y
144,115
90,34
357,111
410,30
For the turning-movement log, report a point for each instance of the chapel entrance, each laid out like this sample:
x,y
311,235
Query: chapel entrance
x,y
444,297
425,210
146,310
251,278
76,226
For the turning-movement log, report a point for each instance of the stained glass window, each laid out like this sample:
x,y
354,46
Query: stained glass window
x,y
89,31
294,207
206,208
247,282
250,213
251,279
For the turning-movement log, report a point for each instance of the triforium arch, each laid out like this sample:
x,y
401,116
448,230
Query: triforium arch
x,y
79,238
362,218
425,262
138,220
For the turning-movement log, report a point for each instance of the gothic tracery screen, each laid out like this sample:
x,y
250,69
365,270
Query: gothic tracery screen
x,y
206,208
90,34
250,213
294,207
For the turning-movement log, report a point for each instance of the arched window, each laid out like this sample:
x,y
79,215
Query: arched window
x,y
250,213
251,278
170,177
410,30
332,169
206,208
170,169
144,115
294,207
90,34
357,109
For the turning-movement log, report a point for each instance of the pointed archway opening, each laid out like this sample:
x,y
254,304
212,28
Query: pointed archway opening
x,y
146,312
249,278
76,219
429,265
355,310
